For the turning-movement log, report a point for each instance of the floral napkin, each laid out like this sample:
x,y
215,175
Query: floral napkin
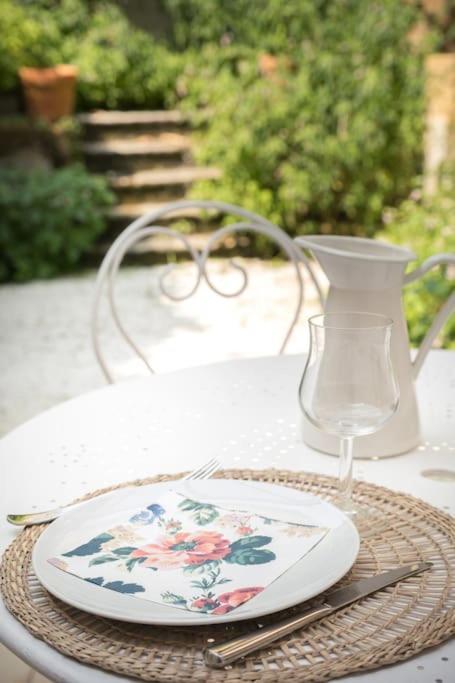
x,y
190,554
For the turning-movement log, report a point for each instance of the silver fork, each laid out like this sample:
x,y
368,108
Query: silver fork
x,y
205,471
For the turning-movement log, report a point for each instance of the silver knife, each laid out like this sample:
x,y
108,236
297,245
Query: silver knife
x,y
225,653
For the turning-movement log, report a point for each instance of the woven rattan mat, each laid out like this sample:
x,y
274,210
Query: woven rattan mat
x,y
389,626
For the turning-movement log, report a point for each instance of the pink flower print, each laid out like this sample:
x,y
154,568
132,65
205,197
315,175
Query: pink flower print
x,y
222,609
239,596
184,549
204,604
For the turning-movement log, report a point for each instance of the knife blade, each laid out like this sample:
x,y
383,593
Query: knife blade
x,y
218,656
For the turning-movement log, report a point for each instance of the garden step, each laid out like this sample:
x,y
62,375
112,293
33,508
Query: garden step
x,y
107,124
163,183
163,143
196,219
128,212
137,153
156,249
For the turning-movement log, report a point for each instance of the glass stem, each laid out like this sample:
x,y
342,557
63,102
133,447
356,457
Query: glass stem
x,y
345,476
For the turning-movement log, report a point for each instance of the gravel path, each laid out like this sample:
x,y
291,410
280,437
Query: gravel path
x,y
45,350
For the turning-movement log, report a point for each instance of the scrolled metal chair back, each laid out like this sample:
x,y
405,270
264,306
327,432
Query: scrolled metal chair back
x,y
148,226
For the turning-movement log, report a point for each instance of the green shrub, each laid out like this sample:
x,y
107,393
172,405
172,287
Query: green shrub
x,y
275,26
48,220
17,32
119,66
122,67
427,226
333,135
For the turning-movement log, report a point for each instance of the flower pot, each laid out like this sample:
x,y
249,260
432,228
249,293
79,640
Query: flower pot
x,y
49,93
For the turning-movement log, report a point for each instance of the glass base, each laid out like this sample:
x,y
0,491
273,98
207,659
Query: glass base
x,y
361,515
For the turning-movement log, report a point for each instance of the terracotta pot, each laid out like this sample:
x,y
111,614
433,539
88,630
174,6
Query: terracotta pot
x,y
268,64
49,93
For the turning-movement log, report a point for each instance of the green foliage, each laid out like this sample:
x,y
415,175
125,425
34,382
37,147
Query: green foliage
x,y
427,226
122,587
248,550
102,559
333,134
203,513
122,67
17,32
250,556
95,544
119,66
132,562
48,221
173,599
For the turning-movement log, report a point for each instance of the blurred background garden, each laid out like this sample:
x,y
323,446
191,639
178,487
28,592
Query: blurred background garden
x,y
319,115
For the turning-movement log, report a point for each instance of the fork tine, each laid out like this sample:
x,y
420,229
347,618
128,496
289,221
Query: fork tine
x,y
208,473
210,468
196,472
200,471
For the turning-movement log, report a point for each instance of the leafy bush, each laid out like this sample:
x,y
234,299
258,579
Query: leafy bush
x,y
122,67
427,226
331,135
17,32
274,27
48,220
119,66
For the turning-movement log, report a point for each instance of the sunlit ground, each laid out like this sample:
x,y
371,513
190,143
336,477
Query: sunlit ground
x,y
46,353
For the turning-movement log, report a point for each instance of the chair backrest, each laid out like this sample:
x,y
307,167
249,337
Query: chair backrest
x,y
148,225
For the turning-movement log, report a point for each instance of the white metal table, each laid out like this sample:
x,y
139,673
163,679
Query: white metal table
x,y
245,412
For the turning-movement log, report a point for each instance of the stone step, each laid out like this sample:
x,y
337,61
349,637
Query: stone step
x,y
160,184
137,153
156,249
194,219
104,125
124,214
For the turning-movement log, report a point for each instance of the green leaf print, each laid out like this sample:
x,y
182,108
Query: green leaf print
x,y
118,586
97,580
250,542
173,598
201,568
250,556
91,547
124,552
133,561
203,513
101,559
122,587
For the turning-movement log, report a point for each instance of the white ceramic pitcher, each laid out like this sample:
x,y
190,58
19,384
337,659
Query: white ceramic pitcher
x,y
368,275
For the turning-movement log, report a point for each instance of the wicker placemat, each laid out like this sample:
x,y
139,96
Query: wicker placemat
x,y
389,626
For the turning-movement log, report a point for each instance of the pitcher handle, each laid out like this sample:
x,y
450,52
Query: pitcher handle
x,y
443,314
306,261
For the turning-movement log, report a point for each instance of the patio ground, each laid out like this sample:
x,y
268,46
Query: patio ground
x,y
45,349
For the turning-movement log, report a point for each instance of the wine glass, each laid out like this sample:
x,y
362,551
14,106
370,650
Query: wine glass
x,y
348,386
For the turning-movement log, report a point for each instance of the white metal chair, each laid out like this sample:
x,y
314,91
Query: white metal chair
x,y
148,225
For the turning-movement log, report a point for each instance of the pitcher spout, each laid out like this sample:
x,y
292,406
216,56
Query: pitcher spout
x,y
358,263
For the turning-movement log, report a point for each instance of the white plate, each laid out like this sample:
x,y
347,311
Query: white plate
x,y
321,568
